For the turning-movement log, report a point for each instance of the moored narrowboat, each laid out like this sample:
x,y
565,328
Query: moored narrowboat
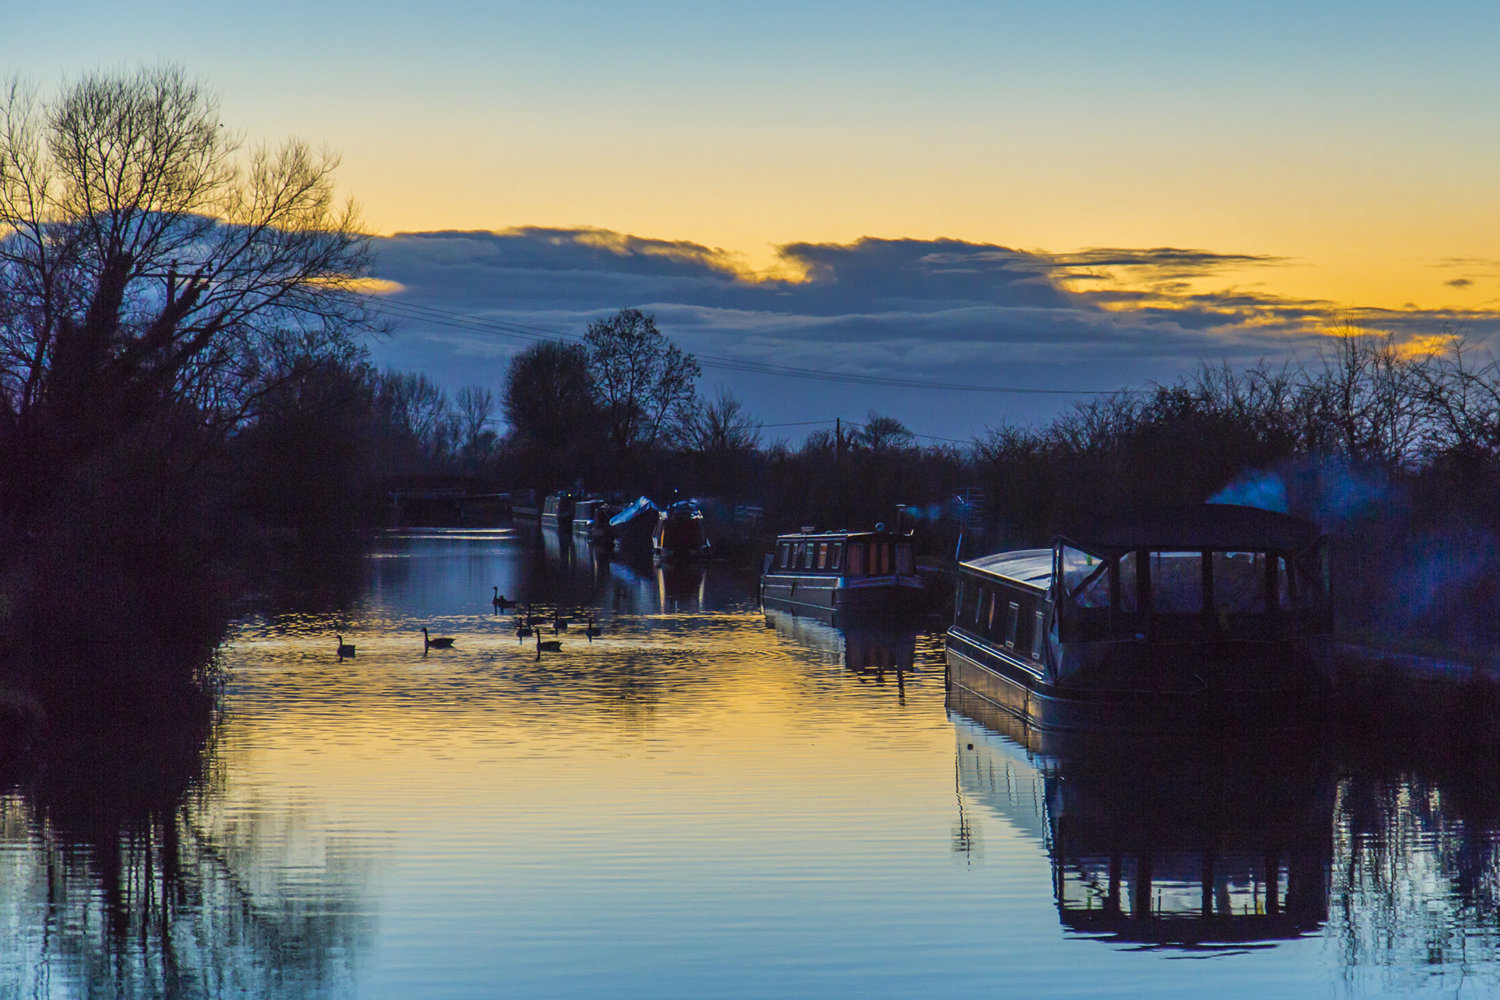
x,y
583,517
631,528
1126,622
835,575
680,533
557,511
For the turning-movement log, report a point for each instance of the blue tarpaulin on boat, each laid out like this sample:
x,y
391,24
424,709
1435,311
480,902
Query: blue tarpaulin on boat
x,y
636,509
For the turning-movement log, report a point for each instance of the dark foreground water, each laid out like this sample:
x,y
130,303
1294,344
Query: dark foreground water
x,y
707,802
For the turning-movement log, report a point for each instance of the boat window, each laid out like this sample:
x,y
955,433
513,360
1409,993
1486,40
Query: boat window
x,y
784,555
1129,584
822,555
1012,624
808,553
880,558
856,566
1038,632
1283,596
903,559
1176,582
834,552
1240,582
1086,577
989,619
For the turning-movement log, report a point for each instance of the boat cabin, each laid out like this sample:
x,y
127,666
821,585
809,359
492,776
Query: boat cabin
x,y
1169,601
827,572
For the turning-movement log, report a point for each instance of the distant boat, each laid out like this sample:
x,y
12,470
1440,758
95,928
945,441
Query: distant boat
x,y
557,511
679,533
583,516
839,575
633,526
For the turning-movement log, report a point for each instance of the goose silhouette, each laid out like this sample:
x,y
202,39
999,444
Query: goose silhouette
x,y
548,646
435,642
524,631
591,630
345,650
499,601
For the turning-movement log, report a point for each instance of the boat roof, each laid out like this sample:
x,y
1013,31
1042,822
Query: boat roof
x,y
1196,526
1032,567
824,536
634,509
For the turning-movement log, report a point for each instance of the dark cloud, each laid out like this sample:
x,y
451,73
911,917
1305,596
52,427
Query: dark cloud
x,y
1166,263
1460,283
931,310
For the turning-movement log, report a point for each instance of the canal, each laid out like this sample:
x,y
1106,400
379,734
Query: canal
x,y
707,801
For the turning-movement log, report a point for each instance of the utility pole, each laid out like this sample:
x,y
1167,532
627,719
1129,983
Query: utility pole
x,y
838,439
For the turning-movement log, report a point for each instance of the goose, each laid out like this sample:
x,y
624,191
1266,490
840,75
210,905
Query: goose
x,y
524,631
591,630
559,623
499,601
345,650
439,642
549,646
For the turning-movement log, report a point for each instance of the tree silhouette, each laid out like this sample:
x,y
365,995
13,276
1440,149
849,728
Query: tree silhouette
x,y
642,381
148,270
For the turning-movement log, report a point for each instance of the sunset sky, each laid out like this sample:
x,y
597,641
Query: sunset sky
x,y
945,191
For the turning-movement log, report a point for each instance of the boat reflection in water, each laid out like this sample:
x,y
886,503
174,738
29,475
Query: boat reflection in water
x,y
1213,845
869,651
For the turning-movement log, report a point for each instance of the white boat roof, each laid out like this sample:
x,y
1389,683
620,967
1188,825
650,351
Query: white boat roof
x,y
1032,567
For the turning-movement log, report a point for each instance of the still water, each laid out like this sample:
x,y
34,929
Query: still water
x,y
707,802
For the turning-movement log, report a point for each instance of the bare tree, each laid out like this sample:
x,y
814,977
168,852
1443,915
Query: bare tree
x,y
148,268
884,434
642,380
417,407
476,405
1368,397
721,427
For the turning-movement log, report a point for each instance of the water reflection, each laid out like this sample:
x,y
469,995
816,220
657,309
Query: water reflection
x,y
871,652
1387,846
126,874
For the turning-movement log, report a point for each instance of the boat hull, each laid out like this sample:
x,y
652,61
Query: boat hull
x,y
831,598
1022,689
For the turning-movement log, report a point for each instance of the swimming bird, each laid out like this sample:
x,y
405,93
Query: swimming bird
x,y
345,650
524,631
559,623
499,601
591,630
550,646
435,642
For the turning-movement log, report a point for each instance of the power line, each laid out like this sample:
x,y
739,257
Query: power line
x,y
520,331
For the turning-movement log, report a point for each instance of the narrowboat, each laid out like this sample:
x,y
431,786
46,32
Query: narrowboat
x,y
583,517
632,527
1125,622
836,575
599,532
557,511
680,533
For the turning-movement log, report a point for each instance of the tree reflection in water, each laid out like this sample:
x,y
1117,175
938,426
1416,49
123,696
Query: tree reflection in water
x,y
1387,845
126,876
